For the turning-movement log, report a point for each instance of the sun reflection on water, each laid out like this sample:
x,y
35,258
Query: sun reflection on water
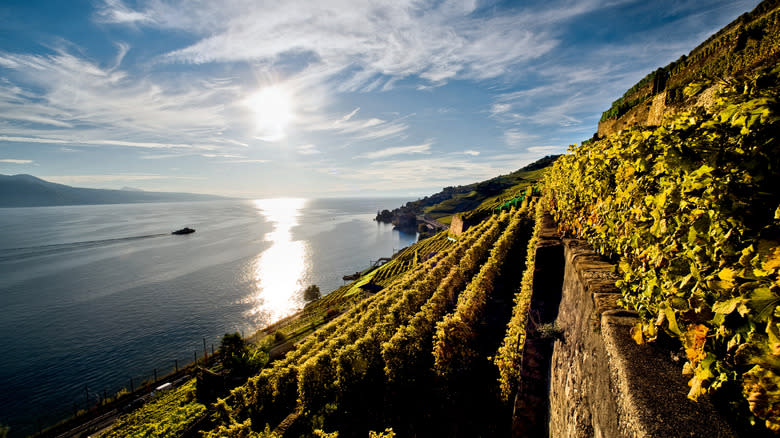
x,y
278,271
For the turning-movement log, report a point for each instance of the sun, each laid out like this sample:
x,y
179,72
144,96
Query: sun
x,y
273,108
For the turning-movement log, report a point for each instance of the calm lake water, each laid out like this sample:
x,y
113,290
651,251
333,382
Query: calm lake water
x,y
97,295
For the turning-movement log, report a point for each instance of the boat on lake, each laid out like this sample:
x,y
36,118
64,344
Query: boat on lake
x,y
185,230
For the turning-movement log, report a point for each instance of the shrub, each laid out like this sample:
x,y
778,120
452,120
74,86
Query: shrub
x,y
312,293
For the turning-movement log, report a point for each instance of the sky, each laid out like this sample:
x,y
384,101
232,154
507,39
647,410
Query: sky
x,y
257,99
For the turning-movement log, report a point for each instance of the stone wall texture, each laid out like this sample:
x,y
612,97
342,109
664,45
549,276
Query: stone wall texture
x,y
601,382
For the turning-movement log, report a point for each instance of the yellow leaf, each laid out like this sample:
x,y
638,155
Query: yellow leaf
x,y
726,307
636,333
773,332
695,384
701,374
693,340
772,259
672,320
727,276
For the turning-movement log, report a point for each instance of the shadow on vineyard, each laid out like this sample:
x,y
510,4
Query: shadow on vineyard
x,y
530,412
465,401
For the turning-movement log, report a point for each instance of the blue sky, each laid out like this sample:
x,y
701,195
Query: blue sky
x,y
319,98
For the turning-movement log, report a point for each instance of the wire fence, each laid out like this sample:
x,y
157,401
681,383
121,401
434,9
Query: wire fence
x,y
92,404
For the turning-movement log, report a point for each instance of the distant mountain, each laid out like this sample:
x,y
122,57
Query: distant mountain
x,y
29,191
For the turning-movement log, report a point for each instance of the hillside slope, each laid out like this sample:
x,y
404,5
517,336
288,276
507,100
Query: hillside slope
x,y
458,199
743,47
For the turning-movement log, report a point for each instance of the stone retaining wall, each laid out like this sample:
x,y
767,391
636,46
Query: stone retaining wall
x,y
601,383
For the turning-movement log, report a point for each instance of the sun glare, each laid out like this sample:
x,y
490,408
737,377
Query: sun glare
x,y
279,269
273,108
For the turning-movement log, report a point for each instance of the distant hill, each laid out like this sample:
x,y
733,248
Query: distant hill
x,y
29,191
457,199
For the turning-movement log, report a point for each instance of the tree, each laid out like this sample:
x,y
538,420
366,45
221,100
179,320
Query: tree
x,y
237,358
312,293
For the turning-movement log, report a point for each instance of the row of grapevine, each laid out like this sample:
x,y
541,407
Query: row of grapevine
x,y
410,257
359,311
169,414
509,357
272,394
412,343
415,399
310,372
358,366
692,210
455,346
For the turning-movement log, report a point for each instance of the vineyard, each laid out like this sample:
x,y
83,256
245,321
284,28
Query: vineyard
x,y
168,414
750,42
691,211
425,334
410,256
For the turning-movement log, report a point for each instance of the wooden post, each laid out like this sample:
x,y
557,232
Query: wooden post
x,y
176,365
195,356
86,392
212,349
205,353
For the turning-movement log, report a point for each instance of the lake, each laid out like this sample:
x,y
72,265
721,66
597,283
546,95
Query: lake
x,y
100,295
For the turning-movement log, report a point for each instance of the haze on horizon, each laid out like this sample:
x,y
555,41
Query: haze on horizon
x,y
301,98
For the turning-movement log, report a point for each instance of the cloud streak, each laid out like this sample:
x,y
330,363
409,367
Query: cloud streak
x,y
400,150
64,98
371,43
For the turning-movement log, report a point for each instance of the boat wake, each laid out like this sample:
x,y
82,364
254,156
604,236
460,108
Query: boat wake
x,y
13,254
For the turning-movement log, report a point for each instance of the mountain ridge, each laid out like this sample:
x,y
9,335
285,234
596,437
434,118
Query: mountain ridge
x,y
24,190
739,50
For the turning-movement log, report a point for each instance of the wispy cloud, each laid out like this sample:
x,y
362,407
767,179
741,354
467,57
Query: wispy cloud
x,y
516,137
554,149
221,156
308,149
104,142
431,172
386,40
114,11
366,129
471,152
400,150
246,161
64,98
15,161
